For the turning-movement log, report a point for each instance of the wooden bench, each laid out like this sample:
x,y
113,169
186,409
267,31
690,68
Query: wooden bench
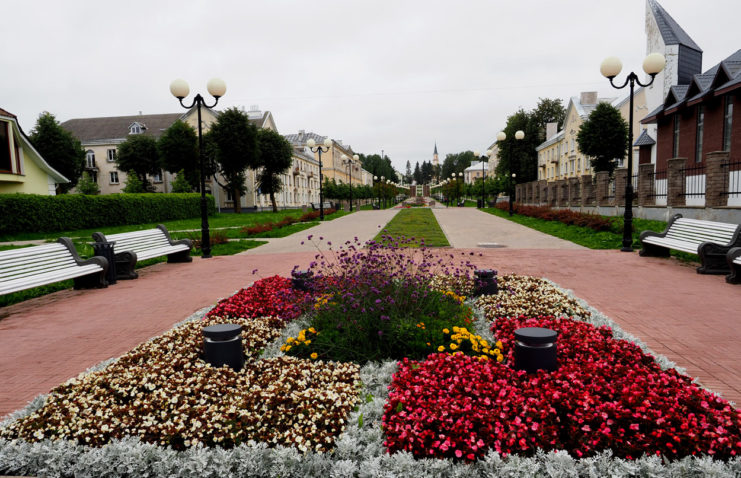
x,y
734,264
134,246
30,267
709,240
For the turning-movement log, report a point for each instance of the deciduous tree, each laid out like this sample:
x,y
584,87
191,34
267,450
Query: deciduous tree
x,y
275,154
139,154
178,152
59,148
604,137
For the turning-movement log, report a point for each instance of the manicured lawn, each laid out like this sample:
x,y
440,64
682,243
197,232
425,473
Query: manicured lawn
x,y
419,223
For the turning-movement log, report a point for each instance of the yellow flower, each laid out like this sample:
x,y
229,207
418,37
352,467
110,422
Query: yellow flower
x,y
498,344
497,351
428,344
453,346
312,330
290,340
314,356
446,331
500,358
307,342
441,348
288,347
483,358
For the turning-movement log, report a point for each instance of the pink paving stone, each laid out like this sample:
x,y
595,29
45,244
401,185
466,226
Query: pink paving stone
x,y
690,318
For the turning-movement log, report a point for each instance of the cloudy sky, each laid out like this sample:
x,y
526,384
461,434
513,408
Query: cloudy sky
x,y
380,75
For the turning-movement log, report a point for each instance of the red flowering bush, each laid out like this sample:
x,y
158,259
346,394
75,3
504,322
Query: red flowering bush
x,y
606,394
266,297
566,216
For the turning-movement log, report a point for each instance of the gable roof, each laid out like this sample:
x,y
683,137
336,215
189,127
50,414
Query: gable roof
x,y
301,138
27,146
644,139
671,32
117,127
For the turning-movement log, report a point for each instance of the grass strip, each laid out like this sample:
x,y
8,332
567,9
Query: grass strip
x,y
418,223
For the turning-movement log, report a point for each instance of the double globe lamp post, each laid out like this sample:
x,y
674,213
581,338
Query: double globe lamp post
x,y
216,88
483,175
319,149
610,68
501,136
350,162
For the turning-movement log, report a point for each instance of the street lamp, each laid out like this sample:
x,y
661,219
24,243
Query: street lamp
x,y
216,88
318,149
350,162
501,136
483,175
610,68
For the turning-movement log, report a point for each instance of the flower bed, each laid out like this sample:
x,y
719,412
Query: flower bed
x,y
160,410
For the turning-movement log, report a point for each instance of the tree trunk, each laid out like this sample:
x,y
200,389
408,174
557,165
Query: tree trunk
x,y
237,200
272,200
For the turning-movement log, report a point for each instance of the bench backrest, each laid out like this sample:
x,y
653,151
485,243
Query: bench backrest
x,y
698,231
138,241
32,261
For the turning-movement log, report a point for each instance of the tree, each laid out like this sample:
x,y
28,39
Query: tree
x,y
59,148
456,163
547,111
408,174
233,148
139,154
378,166
518,156
178,152
275,156
86,185
604,137
133,185
427,172
417,175
180,184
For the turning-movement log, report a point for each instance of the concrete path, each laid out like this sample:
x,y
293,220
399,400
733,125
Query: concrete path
x,y
469,227
691,318
361,224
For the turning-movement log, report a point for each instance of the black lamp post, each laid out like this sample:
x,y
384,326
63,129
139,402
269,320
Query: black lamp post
x,y
318,149
483,175
216,88
350,162
610,68
501,136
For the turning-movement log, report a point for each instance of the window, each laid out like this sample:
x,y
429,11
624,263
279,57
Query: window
x,y
675,146
157,177
700,126
6,164
113,177
727,122
90,159
135,128
111,155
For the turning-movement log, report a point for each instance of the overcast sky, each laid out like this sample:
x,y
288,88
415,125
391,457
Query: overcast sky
x,y
379,75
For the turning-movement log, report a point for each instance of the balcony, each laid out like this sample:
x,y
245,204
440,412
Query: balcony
x,y
296,171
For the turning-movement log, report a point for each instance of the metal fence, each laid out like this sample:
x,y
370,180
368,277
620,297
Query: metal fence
x,y
611,190
659,181
731,178
694,181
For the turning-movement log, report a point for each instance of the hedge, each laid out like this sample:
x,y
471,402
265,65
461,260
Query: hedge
x,y
37,213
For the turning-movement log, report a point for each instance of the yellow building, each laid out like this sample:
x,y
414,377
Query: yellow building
x,y
22,169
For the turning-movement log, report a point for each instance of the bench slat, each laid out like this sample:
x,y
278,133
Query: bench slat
x,y
706,224
21,270
672,244
32,251
150,253
6,287
14,261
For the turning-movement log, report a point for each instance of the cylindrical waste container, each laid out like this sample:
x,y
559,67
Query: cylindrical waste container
x,y
222,345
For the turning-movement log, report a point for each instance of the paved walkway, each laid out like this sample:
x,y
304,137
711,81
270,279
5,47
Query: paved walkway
x,y
690,318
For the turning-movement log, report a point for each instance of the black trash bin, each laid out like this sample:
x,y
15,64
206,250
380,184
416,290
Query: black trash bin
x,y
105,249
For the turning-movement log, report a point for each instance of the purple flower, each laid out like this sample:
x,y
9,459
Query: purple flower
x,y
380,333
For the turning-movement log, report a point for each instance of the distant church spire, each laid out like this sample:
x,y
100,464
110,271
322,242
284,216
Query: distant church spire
x,y
435,159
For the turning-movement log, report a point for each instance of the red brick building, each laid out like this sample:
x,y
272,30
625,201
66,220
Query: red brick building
x,y
701,117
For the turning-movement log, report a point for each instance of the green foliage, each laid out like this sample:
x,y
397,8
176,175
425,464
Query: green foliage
x,y
86,185
59,148
139,154
604,137
274,159
41,213
547,111
418,223
233,148
456,163
133,185
181,184
378,166
178,152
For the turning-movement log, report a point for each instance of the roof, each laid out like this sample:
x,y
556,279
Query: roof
x,y
552,140
302,138
644,139
35,155
435,147
720,79
117,127
670,30
477,166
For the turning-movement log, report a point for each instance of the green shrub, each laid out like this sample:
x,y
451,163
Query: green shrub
x,y
37,213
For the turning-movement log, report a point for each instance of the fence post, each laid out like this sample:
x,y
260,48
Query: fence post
x,y
675,182
587,190
552,193
574,193
543,192
603,182
715,179
645,185
621,179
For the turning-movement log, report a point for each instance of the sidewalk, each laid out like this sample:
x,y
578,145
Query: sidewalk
x,y
690,318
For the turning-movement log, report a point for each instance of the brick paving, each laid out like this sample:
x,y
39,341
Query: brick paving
x,y
690,318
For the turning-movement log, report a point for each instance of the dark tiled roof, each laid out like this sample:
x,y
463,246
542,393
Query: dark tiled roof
x,y
644,139
670,30
304,137
117,127
7,113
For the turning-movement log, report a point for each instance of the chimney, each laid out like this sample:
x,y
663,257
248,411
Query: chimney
x,y
588,98
301,134
550,130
